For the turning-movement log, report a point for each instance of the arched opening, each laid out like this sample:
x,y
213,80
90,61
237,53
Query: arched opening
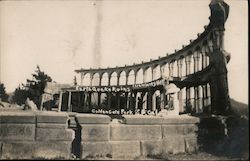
x,y
86,80
148,75
122,78
96,79
156,71
139,76
105,79
113,79
131,77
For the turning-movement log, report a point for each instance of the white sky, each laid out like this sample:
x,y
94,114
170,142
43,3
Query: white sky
x,y
59,36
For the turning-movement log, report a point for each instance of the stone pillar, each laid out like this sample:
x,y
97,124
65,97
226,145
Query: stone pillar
x,y
188,100
118,100
91,79
128,104
208,95
126,79
136,101
149,100
99,98
60,101
109,100
179,65
135,76
144,75
195,62
203,59
162,68
90,99
192,102
196,95
198,62
187,61
69,102
118,79
153,73
180,101
171,69
204,96
163,98
85,100
100,80
153,101
82,78
144,100
109,79
200,98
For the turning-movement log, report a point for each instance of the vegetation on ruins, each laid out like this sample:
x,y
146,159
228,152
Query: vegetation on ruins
x,y
33,89
3,95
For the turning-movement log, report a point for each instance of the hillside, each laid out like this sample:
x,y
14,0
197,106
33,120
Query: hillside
x,y
239,108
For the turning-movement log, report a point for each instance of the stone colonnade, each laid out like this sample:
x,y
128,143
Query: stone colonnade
x,y
177,66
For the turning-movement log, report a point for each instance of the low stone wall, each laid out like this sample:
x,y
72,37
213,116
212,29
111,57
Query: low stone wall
x,y
136,136
27,135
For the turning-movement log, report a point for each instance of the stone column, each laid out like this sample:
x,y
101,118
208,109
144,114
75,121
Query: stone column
x,y
208,95
198,61
69,102
118,79
203,59
179,65
171,68
200,98
153,73
192,102
90,99
99,98
82,78
188,101
60,101
135,76
109,100
187,61
91,79
136,101
118,100
196,93
163,98
144,100
153,101
149,100
127,96
162,68
109,79
100,80
144,75
195,62
126,79
85,100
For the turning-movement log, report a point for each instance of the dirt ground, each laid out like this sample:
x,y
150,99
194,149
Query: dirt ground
x,y
200,156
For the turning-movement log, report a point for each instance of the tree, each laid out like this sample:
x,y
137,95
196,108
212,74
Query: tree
x,y
34,88
20,95
4,97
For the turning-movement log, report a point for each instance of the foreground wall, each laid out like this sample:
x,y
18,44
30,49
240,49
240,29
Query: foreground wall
x,y
136,136
27,135
46,135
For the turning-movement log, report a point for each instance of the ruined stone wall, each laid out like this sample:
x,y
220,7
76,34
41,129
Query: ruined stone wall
x,y
27,135
46,135
136,136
